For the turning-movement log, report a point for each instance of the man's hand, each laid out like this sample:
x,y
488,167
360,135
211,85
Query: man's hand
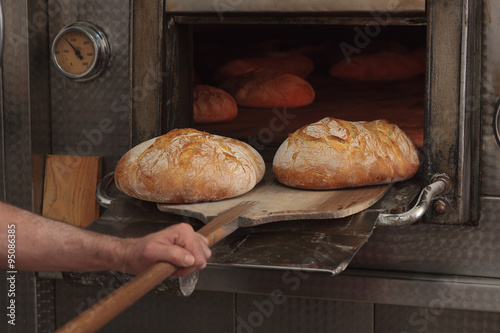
x,y
179,244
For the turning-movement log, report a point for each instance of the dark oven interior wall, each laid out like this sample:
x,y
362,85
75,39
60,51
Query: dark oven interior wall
x,y
325,44
92,118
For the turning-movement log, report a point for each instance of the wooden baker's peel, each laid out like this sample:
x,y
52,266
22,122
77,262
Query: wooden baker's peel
x,y
277,202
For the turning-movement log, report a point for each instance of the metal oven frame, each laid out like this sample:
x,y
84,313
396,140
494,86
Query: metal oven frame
x,y
397,271
452,126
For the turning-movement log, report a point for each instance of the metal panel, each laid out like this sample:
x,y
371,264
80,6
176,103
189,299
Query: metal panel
x,y
401,319
200,312
450,137
92,118
26,130
490,157
464,250
428,255
147,74
431,259
383,287
279,313
238,6
45,305
25,103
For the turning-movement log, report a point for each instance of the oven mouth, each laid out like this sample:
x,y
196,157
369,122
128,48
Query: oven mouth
x,y
400,101
425,106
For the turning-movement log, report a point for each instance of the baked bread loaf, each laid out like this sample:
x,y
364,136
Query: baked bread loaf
x,y
261,88
281,62
212,105
333,153
186,165
383,65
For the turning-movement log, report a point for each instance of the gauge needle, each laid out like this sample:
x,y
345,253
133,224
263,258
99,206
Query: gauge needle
x,y
77,52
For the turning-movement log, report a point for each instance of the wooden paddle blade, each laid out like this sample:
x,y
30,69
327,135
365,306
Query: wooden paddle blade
x,y
105,310
225,223
278,202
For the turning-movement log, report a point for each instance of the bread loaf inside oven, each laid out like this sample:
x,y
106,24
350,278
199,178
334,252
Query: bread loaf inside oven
x,y
262,88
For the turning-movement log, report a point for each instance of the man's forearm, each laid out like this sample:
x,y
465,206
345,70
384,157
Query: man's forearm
x,y
39,246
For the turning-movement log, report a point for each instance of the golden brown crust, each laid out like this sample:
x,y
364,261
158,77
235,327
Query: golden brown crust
x,y
266,89
211,105
333,153
186,165
281,62
383,65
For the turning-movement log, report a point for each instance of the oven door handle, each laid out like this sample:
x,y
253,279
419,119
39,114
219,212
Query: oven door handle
x,y
101,195
496,122
441,185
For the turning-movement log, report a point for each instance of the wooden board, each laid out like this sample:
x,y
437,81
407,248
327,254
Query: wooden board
x,y
282,203
69,189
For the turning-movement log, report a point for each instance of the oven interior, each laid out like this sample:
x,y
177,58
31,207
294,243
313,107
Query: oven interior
x,y
398,101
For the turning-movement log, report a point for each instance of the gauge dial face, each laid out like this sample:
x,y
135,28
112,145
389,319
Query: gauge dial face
x,y
74,52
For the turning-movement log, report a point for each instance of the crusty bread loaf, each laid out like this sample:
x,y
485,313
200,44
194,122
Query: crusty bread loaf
x,y
212,105
266,89
383,65
332,153
186,165
281,62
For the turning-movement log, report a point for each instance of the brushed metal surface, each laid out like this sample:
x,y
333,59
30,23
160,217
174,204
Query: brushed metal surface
x,y
490,151
92,118
2,146
399,319
380,287
279,313
239,6
26,131
201,312
16,117
45,305
450,137
463,250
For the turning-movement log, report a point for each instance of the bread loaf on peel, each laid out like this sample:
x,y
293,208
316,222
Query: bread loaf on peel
x,y
333,153
186,165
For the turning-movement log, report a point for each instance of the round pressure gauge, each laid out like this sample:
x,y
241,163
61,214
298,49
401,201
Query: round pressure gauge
x,y
80,51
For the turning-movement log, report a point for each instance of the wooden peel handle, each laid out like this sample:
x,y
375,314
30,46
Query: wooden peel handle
x,y
105,310
108,308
